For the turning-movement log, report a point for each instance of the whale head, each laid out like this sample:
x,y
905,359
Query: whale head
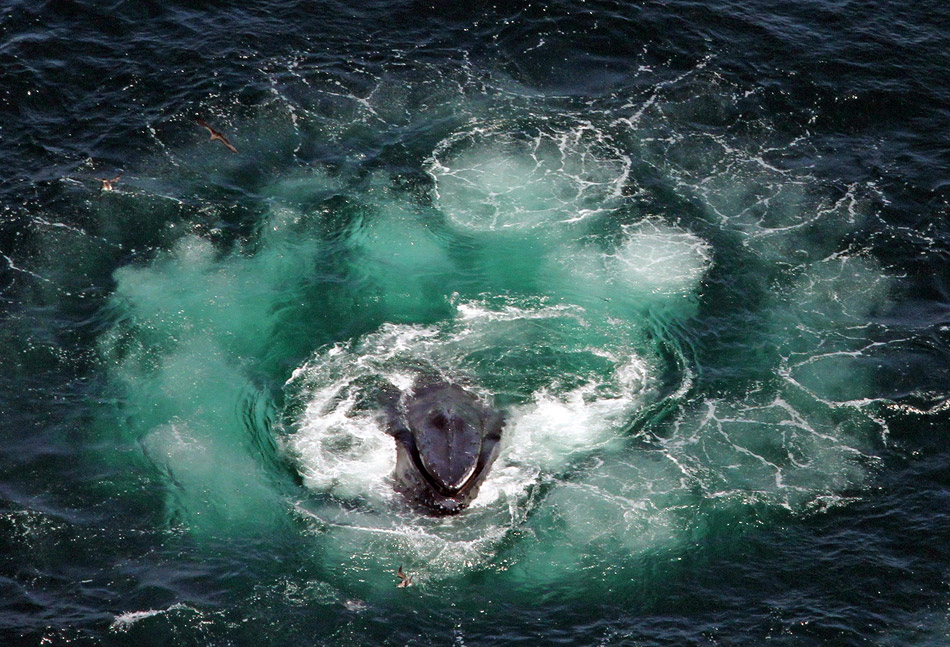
x,y
446,442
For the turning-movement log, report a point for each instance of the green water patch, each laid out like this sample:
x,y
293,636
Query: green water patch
x,y
673,353
197,332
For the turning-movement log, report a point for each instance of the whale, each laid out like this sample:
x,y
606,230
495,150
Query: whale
x,y
446,441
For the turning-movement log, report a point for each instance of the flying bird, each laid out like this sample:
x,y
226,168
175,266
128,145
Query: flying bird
x,y
404,580
107,185
216,135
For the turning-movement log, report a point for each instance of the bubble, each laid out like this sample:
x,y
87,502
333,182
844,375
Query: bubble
x,y
488,179
655,258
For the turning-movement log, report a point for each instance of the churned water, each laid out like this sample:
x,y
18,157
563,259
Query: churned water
x,y
697,252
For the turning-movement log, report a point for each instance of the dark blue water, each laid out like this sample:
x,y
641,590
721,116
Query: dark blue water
x,y
698,253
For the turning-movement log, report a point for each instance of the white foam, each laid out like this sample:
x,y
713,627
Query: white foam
x,y
656,258
124,621
342,449
339,442
491,180
554,427
544,436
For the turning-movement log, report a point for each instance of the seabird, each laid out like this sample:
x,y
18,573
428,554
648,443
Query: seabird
x,y
216,135
404,580
107,184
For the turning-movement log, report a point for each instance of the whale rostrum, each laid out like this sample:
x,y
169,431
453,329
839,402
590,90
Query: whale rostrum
x,y
446,441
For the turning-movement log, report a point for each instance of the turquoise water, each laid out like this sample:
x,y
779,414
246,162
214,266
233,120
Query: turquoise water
x,y
710,300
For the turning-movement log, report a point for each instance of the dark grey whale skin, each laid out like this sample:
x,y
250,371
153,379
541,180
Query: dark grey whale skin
x,y
446,441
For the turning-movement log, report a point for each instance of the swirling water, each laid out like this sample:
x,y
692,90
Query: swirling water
x,y
698,253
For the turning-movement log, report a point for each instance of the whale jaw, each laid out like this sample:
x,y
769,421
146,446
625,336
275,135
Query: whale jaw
x,y
446,442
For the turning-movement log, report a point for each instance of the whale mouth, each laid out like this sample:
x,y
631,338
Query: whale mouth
x,y
448,489
446,442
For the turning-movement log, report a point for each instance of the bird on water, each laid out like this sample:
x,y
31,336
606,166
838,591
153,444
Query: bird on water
x,y
108,185
404,580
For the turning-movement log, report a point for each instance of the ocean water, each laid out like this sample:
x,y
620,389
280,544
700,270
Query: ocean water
x,y
698,252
